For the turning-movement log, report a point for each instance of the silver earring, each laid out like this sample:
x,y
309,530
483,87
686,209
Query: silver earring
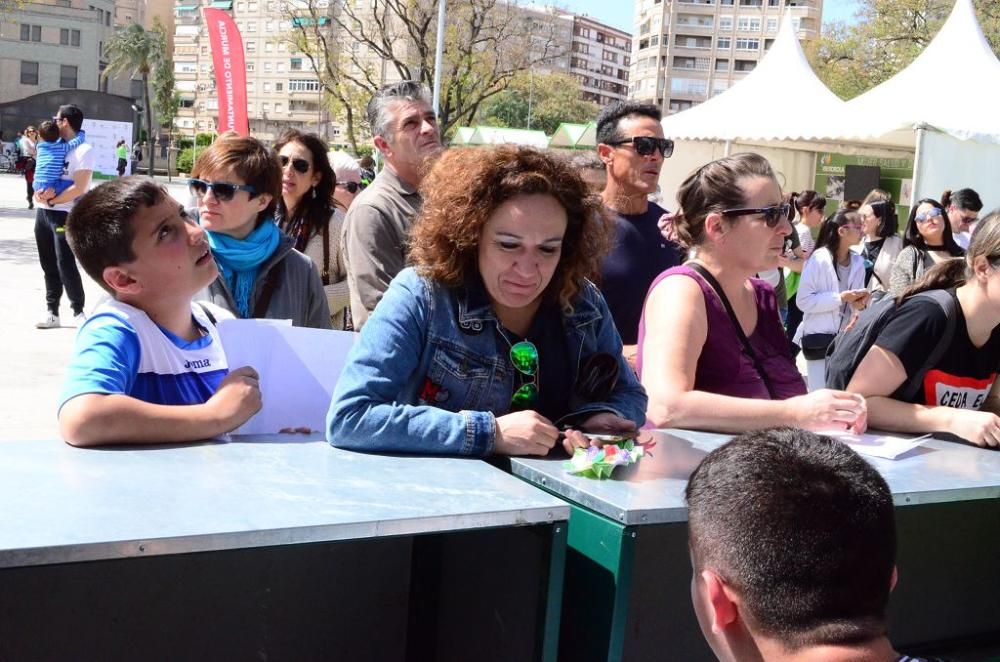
x,y
314,192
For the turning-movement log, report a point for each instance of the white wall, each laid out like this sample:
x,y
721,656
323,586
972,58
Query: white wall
x,y
949,163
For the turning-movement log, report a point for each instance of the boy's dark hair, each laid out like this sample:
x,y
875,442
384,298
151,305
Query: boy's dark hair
x,y
802,527
612,115
99,228
48,131
71,114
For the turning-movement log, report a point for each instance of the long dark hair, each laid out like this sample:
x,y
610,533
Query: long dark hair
x,y
808,199
957,271
888,221
912,236
829,235
313,212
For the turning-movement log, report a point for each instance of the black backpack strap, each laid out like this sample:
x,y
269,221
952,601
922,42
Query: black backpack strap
x,y
946,299
747,348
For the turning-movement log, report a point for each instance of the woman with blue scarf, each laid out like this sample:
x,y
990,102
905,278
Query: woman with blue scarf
x,y
236,183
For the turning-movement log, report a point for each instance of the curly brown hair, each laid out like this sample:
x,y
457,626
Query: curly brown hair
x,y
464,188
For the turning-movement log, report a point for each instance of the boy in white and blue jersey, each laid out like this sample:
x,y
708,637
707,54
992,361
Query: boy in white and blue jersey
x,y
149,365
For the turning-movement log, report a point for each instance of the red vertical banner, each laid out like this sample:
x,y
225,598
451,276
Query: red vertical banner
x,y
230,71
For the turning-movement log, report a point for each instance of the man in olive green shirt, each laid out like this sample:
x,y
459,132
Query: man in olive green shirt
x,y
378,223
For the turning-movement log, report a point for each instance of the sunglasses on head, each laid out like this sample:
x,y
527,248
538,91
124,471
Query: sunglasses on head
x,y
923,216
646,145
524,356
772,215
222,191
300,166
352,187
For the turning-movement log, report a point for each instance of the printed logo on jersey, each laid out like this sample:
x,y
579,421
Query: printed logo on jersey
x,y
944,390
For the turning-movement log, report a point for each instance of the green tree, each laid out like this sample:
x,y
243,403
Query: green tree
x,y
166,97
540,101
888,36
133,50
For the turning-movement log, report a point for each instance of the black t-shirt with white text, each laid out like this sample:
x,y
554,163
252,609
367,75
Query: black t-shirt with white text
x,y
963,376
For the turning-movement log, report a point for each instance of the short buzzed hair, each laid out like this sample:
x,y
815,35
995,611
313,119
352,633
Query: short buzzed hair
x,y
612,115
378,107
802,528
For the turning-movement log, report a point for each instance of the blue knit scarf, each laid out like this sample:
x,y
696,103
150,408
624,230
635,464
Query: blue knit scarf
x,y
240,259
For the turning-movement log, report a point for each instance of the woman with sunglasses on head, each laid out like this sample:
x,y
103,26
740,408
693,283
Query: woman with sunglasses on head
x,y
348,178
933,367
881,245
237,183
712,352
927,241
494,341
963,207
309,213
831,290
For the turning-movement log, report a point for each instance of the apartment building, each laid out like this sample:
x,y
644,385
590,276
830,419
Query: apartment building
x,y
687,51
600,58
54,44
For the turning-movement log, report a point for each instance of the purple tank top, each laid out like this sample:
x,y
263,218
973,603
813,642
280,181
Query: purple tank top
x,y
723,366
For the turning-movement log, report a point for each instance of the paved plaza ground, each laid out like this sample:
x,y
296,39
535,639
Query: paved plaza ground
x,y
34,359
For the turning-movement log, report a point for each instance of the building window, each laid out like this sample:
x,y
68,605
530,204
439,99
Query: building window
x,y
278,87
296,64
722,65
278,107
747,44
69,37
67,76
726,23
301,85
252,26
724,43
31,32
268,46
267,87
748,24
267,67
251,47
29,73
772,25
251,66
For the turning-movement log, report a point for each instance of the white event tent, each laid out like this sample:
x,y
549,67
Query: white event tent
x,y
945,106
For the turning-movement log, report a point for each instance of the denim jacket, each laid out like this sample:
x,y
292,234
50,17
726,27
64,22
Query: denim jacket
x,y
425,375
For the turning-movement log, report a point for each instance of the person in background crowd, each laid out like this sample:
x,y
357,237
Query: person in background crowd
x,y
237,184
959,393
377,227
630,142
712,352
121,151
308,212
963,207
495,338
793,546
52,153
927,241
831,290
810,206
54,253
29,151
136,155
790,258
591,168
347,173
881,245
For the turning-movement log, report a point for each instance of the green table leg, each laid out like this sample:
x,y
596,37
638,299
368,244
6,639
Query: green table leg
x,y
553,603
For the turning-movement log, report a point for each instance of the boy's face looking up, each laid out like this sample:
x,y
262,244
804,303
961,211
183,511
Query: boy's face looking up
x,y
172,257
236,217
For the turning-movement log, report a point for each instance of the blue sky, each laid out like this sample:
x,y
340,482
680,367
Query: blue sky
x,y
618,13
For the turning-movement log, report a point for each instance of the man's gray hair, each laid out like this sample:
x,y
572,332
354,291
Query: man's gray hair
x,y
377,111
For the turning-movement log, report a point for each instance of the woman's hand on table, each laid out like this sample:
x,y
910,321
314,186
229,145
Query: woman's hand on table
x,y
524,433
981,428
827,409
600,423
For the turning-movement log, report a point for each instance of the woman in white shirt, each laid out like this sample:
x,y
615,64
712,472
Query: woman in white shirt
x,y
309,214
831,289
881,245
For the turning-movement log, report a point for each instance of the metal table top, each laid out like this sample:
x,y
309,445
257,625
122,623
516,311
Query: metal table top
x,y
63,504
652,490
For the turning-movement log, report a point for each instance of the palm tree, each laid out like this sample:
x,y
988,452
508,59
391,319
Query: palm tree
x,y
135,50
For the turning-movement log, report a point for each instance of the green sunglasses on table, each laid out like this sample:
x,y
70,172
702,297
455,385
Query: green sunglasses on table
x,y
524,356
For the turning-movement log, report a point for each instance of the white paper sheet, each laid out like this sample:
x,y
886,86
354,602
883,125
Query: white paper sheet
x,y
886,446
298,369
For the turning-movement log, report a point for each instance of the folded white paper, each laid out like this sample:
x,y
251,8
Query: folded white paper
x,y
886,446
298,369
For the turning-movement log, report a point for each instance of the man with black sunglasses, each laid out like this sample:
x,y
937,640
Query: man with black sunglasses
x,y
631,144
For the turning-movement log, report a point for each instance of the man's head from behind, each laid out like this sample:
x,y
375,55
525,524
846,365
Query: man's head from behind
x,y
404,128
793,542
69,118
135,241
633,166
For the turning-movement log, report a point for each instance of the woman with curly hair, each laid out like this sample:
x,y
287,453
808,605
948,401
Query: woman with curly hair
x,y
308,212
494,341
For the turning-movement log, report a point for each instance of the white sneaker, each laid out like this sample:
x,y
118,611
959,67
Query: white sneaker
x,y
50,322
79,319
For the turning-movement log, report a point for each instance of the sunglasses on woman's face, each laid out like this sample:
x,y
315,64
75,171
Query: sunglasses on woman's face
x,y
222,191
772,215
301,166
925,216
352,187
524,356
646,145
